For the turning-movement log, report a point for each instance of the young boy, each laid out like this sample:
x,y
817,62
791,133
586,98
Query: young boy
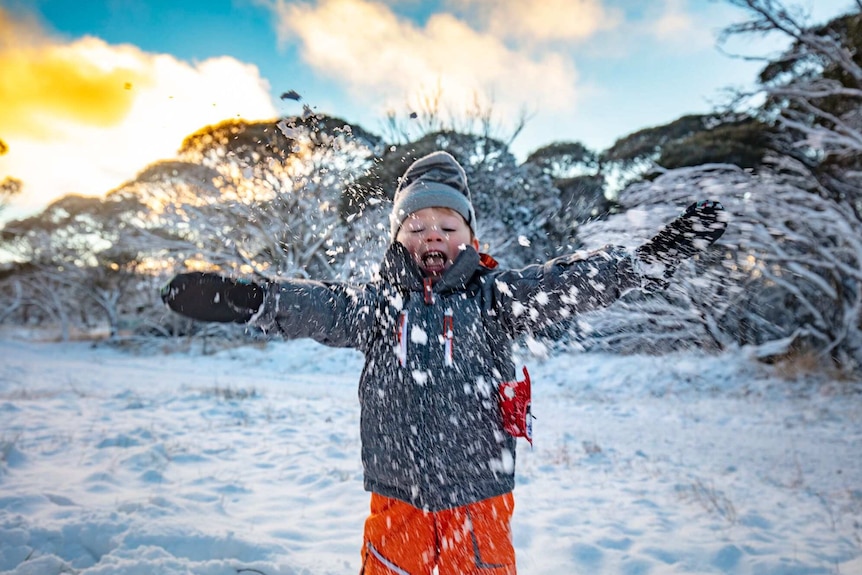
x,y
437,329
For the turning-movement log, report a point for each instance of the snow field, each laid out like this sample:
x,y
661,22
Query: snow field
x,y
248,461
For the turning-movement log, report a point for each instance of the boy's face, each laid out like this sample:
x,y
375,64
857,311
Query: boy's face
x,y
435,237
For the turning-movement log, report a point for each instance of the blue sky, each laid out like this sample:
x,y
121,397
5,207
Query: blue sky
x,y
130,78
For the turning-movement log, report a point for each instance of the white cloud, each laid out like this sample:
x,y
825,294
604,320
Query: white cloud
x,y
674,23
544,21
385,60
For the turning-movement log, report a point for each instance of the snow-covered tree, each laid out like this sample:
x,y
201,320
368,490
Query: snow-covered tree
x,y
76,263
813,91
256,198
786,275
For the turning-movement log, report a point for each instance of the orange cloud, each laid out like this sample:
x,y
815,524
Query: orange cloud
x,y
99,113
42,82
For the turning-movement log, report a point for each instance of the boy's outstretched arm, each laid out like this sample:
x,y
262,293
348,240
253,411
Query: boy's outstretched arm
x,y
332,313
211,297
541,295
693,231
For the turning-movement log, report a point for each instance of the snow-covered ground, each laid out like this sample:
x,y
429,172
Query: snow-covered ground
x,y
247,462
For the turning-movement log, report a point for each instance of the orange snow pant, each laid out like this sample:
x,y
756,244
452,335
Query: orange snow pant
x,y
471,540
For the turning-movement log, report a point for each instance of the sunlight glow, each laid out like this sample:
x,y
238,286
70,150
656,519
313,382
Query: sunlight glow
x,y
98,113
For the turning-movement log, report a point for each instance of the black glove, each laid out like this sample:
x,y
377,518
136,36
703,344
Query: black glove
x,y
210,297
693,231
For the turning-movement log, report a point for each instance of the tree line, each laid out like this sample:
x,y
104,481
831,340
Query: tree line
x,y
308,196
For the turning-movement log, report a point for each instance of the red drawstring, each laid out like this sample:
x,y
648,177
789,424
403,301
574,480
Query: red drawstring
x,y
427,292
448,336
401,338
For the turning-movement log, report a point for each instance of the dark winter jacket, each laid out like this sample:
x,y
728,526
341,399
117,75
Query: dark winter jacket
x,y
434,357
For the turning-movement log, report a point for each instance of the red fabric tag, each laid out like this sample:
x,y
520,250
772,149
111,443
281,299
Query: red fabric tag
x,y
515,407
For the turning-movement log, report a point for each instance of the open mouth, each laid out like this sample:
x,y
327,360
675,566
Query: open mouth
x,y
434,261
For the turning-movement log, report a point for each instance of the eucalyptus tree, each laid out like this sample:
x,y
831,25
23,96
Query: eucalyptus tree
x,y
73,263
259,198
812,92
576,171
787,275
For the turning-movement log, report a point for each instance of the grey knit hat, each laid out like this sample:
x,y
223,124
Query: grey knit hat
x,y
433,181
